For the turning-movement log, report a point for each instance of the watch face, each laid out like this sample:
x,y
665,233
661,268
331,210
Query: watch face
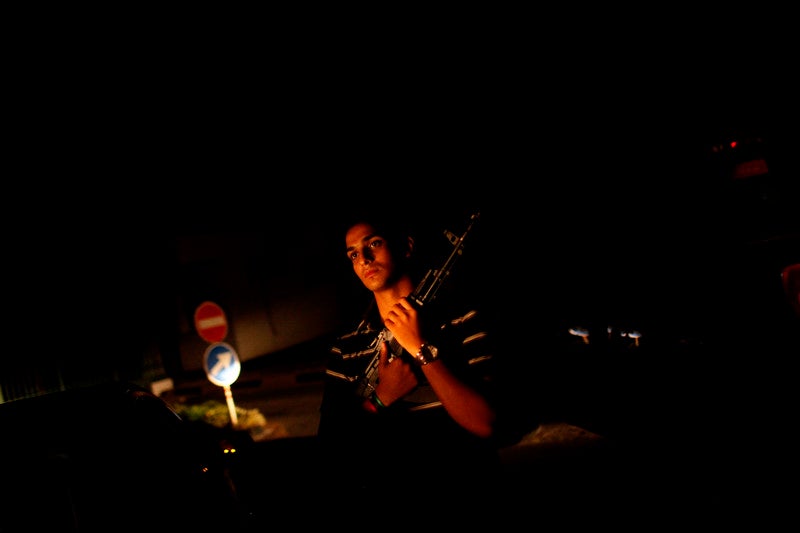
x,y
428,354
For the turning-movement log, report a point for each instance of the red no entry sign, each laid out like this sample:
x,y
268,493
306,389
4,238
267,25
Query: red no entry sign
x,y
210,322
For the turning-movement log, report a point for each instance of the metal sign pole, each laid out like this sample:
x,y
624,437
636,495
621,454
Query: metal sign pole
x,y
231,406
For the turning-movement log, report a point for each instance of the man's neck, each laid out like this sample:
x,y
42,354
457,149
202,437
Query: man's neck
x,y
388,296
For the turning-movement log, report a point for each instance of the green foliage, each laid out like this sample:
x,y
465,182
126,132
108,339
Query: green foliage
x,y
217,414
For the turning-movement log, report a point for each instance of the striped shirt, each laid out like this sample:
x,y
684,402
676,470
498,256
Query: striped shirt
x,y
417,424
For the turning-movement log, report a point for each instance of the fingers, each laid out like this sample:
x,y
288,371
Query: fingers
x,y
404,306
401,312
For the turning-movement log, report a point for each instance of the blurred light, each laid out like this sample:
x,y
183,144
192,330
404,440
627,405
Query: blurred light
x,y
635,335
580,332
790,277
749,169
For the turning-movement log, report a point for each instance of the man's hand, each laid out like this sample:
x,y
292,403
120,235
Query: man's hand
x,y
395,378
403,321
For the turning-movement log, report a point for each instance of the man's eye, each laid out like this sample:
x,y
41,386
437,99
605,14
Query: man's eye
x,y
376,243
353,256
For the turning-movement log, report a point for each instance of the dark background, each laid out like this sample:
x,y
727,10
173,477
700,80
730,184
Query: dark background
x,y
593,146
593,167
582,207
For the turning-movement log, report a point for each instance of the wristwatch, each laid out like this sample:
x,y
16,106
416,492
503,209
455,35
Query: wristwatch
x,y
427,354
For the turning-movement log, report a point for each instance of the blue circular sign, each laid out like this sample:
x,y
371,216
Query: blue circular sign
x,y
221,364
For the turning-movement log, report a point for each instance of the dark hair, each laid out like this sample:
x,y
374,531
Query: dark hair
x,y
391,226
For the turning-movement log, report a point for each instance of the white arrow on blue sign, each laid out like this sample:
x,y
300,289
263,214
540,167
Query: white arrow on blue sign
x,y
221,364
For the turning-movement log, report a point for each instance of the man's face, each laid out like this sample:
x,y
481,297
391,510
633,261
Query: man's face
x,y
370,256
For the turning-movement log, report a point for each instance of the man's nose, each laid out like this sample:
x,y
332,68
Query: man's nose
x,y
366,256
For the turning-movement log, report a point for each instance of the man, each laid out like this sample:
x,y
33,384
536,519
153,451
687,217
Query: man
x,y
426,419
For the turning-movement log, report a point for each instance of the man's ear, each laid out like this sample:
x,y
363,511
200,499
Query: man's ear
x,y
410,247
